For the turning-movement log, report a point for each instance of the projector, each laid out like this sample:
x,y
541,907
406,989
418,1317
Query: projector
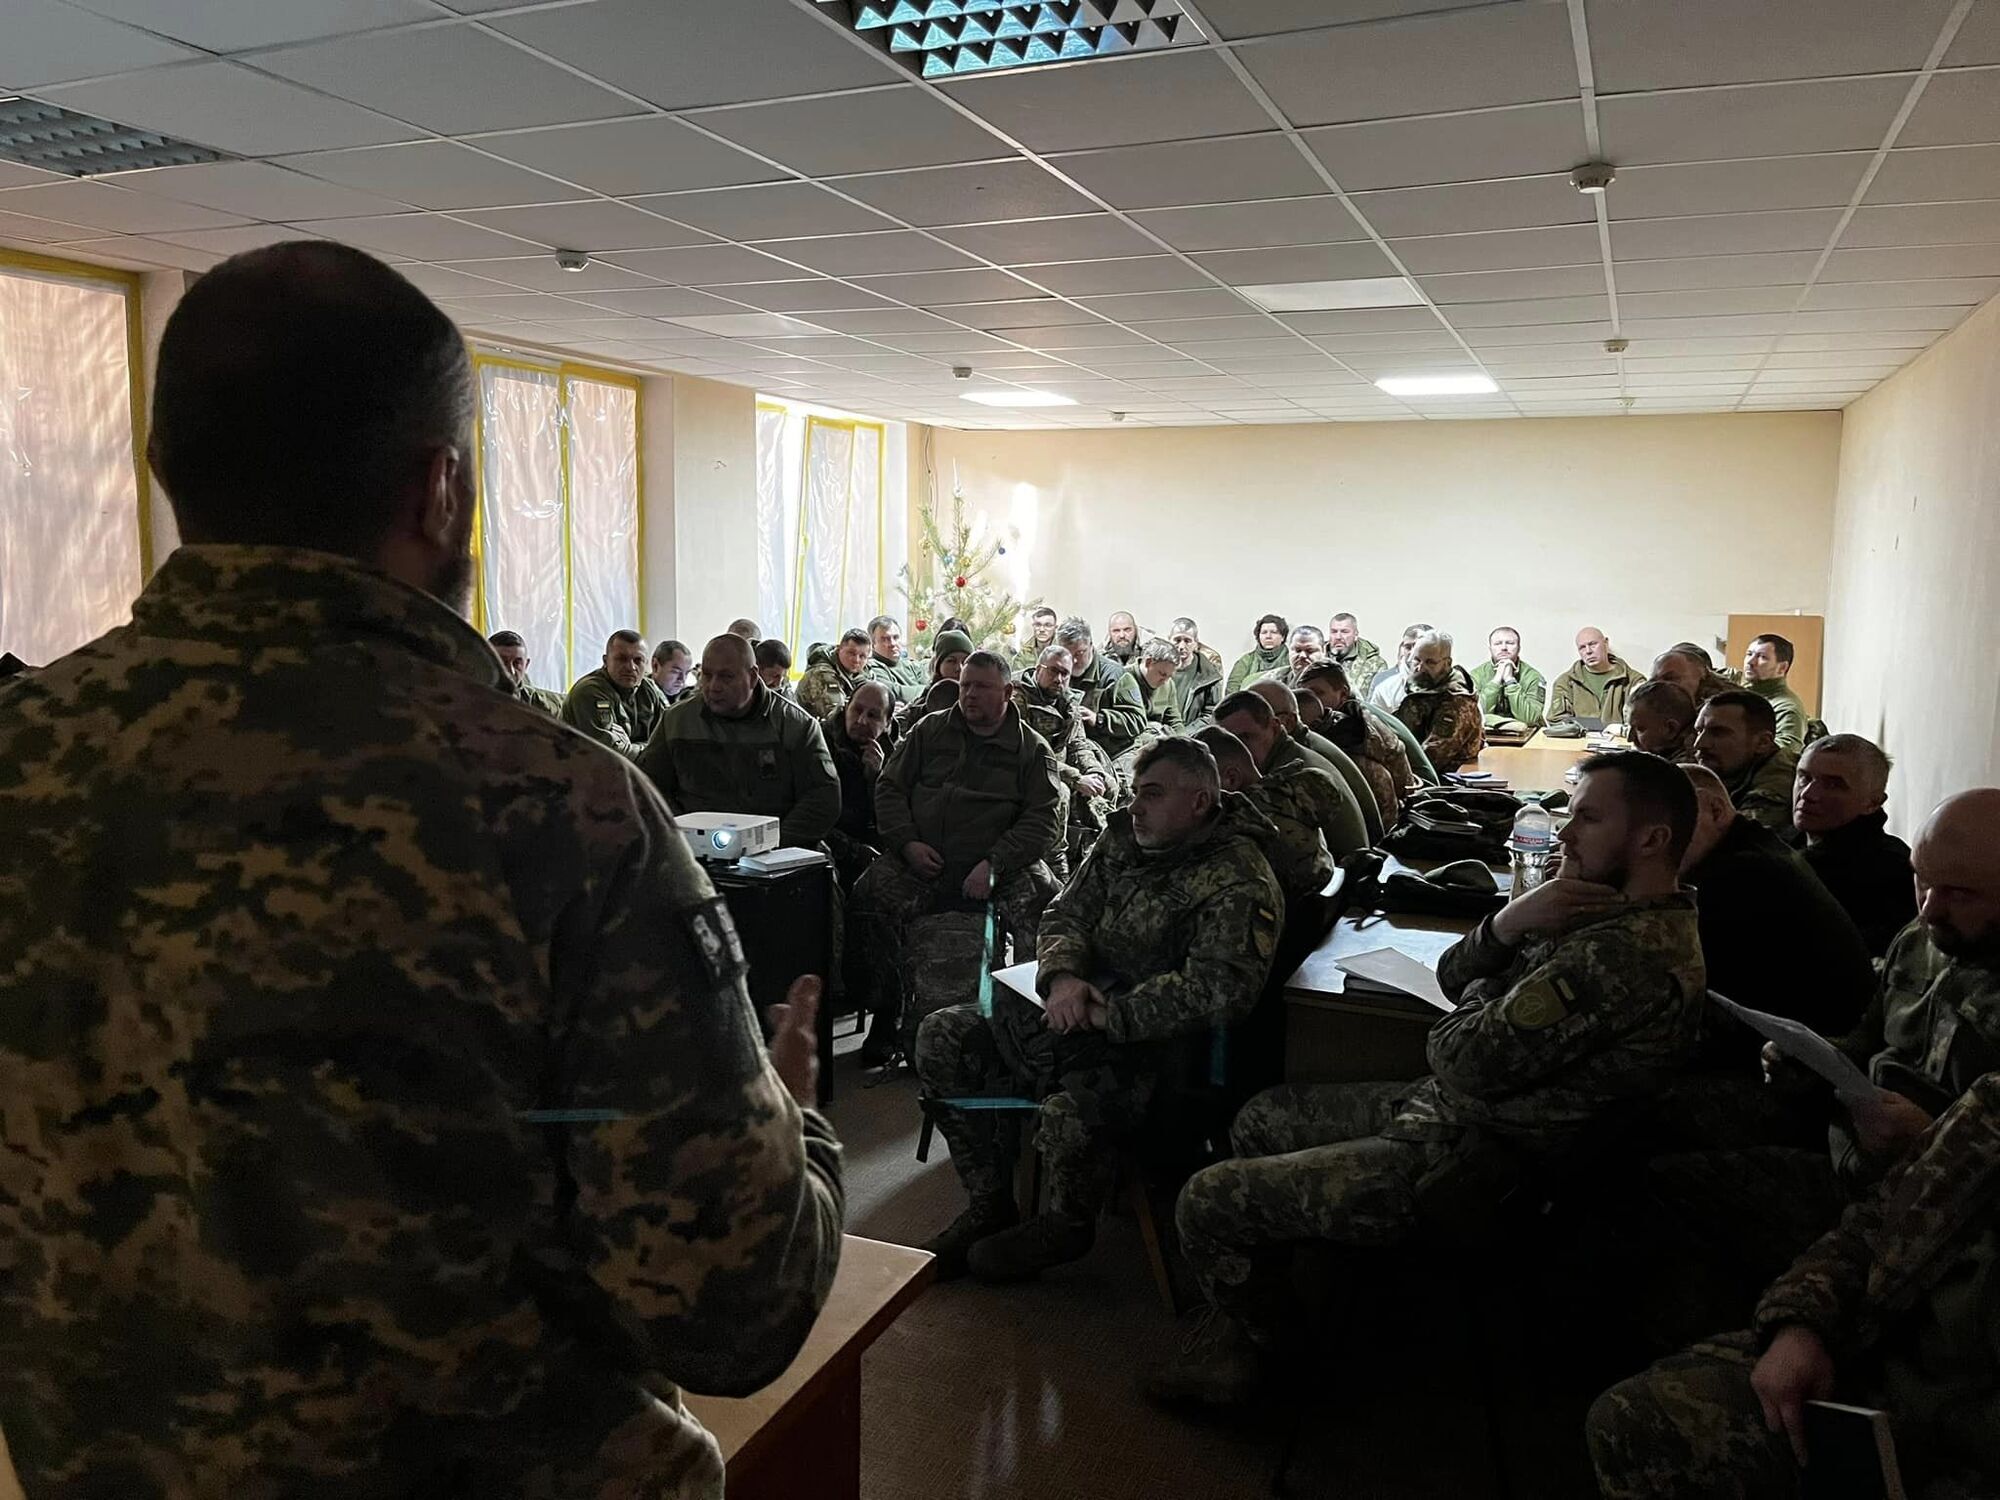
x,y
723,838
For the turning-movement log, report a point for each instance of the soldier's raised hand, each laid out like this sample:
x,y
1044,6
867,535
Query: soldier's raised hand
x,y
795,1038
1554,906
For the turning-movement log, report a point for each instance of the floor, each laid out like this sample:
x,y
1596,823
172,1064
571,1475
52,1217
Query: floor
x,y
989,1393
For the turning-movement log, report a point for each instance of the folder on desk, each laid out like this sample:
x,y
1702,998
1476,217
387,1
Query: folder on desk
x,y
1386,971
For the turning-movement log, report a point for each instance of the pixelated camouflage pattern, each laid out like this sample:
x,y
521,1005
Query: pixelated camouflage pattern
x,y
1377,750
611,715
825,687
300,911
1159,714
1362,662
1334,808
1690,1428
1330,757
1296,848
772,760
1447,720
1932,1014
1762,791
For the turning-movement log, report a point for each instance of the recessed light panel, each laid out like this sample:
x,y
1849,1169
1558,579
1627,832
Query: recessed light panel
x,y
1330,296
958,38
1017,398
1437,385
60,140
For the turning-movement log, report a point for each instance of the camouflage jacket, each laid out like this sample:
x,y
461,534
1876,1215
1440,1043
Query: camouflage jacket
x,y
1574,695
1349,774
1297,849
905,679
304,919
972,797
1376,749
1789,708
1197,689
1448,722
1762,792
1053,716
1524,700
1178,939
547,700
771,760
1421,768
1362,662
1158,709
1551,1034
1335,810
611,715
825,688
1119,721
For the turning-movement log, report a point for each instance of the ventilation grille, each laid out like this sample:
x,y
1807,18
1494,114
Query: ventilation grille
x,y
60,140
952,38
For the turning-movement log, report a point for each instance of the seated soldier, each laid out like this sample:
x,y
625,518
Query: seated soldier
x,y
1386,689
1839,826
858,739
949,649
673,663
1094,678
1767,663
1735,736
1304,646
774,667
889,664
1271,633
1164,938
1594,685
1145,687
1507,687
1197,678
1892,1310
832,676
741,748
1659,719
1313,721
1437,709
1581,997
1041,636
1048,705
1298,853
970,810
747,628
1367,741
617,705
1121,638
1356,655
1687,666
1248,716
1286,707
513,654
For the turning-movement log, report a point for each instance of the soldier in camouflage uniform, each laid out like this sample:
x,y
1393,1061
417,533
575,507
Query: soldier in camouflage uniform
x,y
1295,848
1735,736
1248,716
617,704
1893,1309
513,654
384,1110
832,676
1197,681
1688,668
1437,709
1580,997
1043,698
1659,719
1145,687
1358,657
1094,678
1165,935
1299,715
890,662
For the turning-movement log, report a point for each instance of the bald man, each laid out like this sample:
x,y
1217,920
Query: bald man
x,y
1594,685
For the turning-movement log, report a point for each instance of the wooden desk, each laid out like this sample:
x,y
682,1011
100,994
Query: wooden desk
x,y
801,1435
1537,766
1334,1037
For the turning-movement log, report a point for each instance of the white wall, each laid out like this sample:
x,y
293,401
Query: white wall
x,y
713,505
1653,528
1914,629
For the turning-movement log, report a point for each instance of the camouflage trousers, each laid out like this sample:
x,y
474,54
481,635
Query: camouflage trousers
x,y
959,1056
890,895
1309,1166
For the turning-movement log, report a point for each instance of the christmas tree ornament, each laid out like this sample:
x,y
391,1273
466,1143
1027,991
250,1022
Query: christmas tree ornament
x,y
958,582
950,577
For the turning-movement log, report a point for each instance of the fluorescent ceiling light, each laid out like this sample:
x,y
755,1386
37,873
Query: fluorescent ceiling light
x,y
1330,296
1437,385
1017,398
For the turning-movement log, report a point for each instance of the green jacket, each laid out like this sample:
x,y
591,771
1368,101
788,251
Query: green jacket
x,y
905,679
1362,662
547,700
1254,664
1159,712
1197,688
1791,711
970,797
1347,770
1763,792
1574,696
1338,813
1120,721
1526,700
772,761
611,715
1420,763
1296,848
825,687
1180,940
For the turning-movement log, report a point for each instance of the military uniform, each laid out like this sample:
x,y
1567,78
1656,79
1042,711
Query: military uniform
x,y
1902,1294
1335,809
1579,693
1254,664
1179,941
771,760
1789,709
1119,721
1762,790
1362,662
1421,768
1349,774
826,686
1295,847
1868,870
1447,721
1524,700
1053,716
328,913
1378,752
1197,688
904,678
1159,714
547,700
1546,1038
612,715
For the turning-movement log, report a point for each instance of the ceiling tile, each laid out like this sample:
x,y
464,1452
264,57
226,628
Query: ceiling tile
x,y
1364,320
877,321
1355,345
946,341
12,175
1706,347
1034,241
1502,286
1193,331
703,265
756,326
234,241
695,52
239,25
1502,54
101,206
1211,303
949,288
1227,169
1788,268
626,157
1707,301
1041,312
1779,119
1298,263
1519,142
1978,40
1912,263
1535,310
1502,250
1323,219
773,211
48,42
1080,336
1924,224
230,108
441,282
1813,359
1956,109
1471,207
1524,335
817,294
451,79
434,174
1164,96
1958,292
885,253
1745,325
594,226
256,190
1723,187
1731,234
1658,46
1096,278
867,131
128,250
977,194
1515,365
418,236
1643,368
1308,361
1937,174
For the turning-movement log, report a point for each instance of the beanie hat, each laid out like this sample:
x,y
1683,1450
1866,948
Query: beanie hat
x,y
951,643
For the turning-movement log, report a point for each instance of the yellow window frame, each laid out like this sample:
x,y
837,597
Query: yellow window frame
x,y
851,425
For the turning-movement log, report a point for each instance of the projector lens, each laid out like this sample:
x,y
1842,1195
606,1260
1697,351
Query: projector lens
x,y
722,840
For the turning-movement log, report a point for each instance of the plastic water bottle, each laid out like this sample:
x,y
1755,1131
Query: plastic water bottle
x,y
1531,846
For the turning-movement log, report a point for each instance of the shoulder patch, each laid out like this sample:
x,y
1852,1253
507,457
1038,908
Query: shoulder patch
x,y
713,933
1538,1005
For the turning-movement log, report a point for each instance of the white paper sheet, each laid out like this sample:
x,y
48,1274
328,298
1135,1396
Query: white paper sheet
x,y
1397,971
1804,1046
1020,978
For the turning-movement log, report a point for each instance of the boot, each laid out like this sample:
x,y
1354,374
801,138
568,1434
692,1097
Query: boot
x,y
1031,1248
951,1243
1219,1365
880,1046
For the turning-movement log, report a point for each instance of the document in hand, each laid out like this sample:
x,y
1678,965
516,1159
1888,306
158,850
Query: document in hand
x,y
1020,978
1387,969
1805,1046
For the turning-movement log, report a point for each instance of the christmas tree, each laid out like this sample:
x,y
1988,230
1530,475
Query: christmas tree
x,y
954,584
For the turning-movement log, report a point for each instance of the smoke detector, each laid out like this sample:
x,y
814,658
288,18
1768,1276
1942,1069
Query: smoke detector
x,y
1593,177
572,260
961,372
1617,346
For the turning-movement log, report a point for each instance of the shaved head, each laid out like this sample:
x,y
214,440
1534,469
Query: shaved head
x,y
728,675
1233,761
1714,812
1956,857
1280,697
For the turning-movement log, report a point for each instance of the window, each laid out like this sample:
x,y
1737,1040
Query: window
x,y
559,518
73,543
828,523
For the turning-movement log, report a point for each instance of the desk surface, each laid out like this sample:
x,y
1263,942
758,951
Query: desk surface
x,y
1537,766
875,1282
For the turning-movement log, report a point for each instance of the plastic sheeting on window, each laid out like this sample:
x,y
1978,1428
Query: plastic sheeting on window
x,y
776,502
825,515
69,488
603,514
521,521
821,524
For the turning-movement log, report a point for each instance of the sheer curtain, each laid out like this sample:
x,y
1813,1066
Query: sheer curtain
x,y
603,515
69,487
823,528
